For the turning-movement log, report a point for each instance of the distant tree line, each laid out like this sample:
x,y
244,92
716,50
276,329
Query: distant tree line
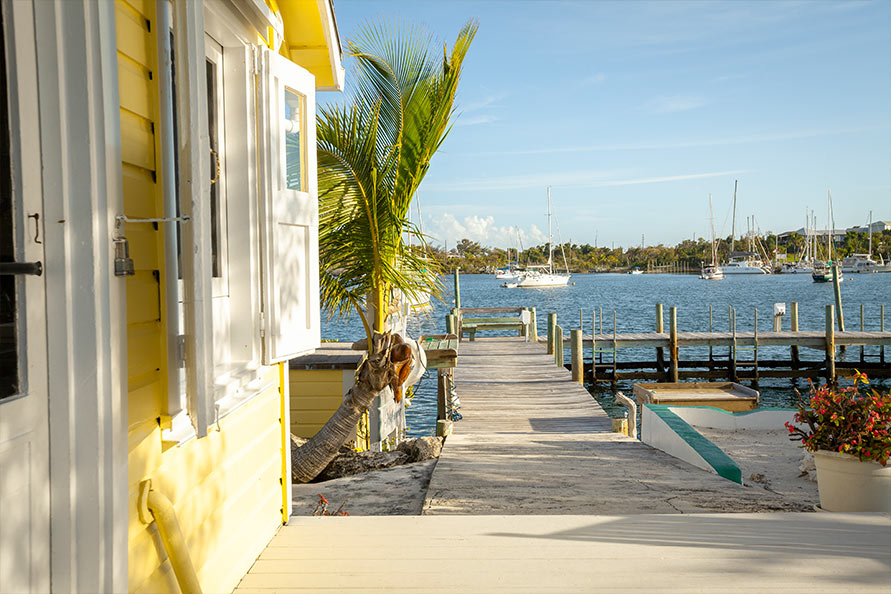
x,y
472,257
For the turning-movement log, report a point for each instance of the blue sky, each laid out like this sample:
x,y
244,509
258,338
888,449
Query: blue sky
x,y
634,112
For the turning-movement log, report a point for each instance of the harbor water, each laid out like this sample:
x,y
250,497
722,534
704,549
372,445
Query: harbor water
x,y
633,298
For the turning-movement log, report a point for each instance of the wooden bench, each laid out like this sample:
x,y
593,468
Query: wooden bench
x,y
471,325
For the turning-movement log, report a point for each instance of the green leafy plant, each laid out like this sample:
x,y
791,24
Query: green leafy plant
x,y
373,153
853,420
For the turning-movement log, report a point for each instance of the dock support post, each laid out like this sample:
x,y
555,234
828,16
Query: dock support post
x,y
578,361
660,328
552,325
581,319
594,352
794,320
558,346
533,326
457,288
443,425
451,324
732,318
673,342
882,329
862,355
838,302
830,344
711,358
755,345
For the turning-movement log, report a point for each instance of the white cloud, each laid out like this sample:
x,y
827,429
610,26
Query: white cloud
x,y
592,80
446,228
674,103
475,120
579,179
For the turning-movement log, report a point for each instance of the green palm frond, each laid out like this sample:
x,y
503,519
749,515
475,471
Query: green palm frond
x,y
373,155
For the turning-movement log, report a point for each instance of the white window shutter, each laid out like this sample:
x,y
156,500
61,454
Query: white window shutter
x,y
289,210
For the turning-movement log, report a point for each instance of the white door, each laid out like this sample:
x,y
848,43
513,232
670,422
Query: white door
x,y
289,210
24,435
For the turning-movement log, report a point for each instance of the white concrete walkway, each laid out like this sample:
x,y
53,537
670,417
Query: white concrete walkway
x,y
783,552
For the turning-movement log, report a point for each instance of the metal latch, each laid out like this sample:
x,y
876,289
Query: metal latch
x,y
123,263
16,268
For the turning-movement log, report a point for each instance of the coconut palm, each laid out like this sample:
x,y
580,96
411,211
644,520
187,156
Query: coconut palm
x,y
373,153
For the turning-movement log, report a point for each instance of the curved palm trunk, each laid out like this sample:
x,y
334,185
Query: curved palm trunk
x,y
388,354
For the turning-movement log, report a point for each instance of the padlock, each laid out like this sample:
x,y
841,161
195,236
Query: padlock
x,y
123,263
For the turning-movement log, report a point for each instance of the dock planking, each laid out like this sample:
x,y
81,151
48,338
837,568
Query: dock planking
x,y
532,441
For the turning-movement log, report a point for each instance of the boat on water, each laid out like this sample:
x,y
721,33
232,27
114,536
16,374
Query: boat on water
x,y
861,263
712,271
743,262
823,270
543,275
635,270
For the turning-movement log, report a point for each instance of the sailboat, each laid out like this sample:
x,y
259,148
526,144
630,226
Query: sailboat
x,y
743,262
823,272
512,270
712,271
544,275
863,262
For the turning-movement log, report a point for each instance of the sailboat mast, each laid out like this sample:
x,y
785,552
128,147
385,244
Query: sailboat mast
x,y
711,218
869,226
550,239
831,223
733,224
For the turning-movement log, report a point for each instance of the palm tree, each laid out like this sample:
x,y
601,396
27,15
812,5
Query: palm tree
x,y
373,153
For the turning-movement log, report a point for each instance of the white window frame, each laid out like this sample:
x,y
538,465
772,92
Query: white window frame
x,y
223,353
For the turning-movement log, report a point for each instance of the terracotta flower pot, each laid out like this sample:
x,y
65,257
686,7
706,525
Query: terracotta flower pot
x,y
847,484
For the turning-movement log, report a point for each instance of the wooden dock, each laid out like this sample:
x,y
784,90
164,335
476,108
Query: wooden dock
x,y
533,441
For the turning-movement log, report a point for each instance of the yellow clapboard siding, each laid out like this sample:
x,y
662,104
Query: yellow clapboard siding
x,y
143,348
134,88
316,388
141,198
133,38
137,141
252,527
311,416
144,7
144,240
225,488
144,404
136,382
189,465
315,402
316,375
143,298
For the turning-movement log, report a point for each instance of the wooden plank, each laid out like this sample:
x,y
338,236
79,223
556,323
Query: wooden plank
x,y
494,310
137,141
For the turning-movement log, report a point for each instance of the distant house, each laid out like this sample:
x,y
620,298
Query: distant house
x,y
158,264
839,234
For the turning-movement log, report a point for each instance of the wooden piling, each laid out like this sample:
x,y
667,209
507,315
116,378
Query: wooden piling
x,y
578,362
755,341
533,326
838,302
882,329
552,325
660,328
594,352
711,357
673,342
457,288
862,356
732,367
615,350
451,324
558,346
581,319
794,321
830,344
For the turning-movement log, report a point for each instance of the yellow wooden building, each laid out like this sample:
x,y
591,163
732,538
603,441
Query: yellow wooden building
x,y
158,267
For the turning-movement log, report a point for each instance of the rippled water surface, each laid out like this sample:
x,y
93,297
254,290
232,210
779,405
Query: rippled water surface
x,y
634,298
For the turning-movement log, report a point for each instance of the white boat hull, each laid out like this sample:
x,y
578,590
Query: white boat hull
x,y
543,280
743,269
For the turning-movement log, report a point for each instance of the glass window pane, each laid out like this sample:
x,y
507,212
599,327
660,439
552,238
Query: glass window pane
x,y
9,347
212,128
294,149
